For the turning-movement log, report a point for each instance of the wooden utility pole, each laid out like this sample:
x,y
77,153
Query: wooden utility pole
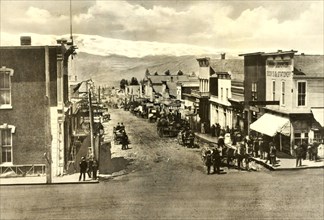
x,y
47,132
91,123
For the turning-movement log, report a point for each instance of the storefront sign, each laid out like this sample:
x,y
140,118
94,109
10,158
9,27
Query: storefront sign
x,y
275,73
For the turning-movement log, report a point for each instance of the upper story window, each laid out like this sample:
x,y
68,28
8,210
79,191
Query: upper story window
x,y
254,91
226,93
273,90
5,87
283,88
222,95
301,93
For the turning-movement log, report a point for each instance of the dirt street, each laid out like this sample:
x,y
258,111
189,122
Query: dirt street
x,y
164,180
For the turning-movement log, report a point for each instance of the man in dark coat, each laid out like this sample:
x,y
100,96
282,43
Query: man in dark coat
x,y
83,168
208,160
216,161
299,155
304,146
95,166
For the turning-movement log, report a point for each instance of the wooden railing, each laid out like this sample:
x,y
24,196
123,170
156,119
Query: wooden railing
x,y
26,169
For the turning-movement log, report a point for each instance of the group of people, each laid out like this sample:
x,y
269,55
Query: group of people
x,y
90,167
188,137
240,154
213,158
121,136
302,149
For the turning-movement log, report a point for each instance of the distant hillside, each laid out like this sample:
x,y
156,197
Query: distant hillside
x,y
109,70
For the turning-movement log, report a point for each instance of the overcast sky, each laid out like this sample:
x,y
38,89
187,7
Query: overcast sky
x,y
241,26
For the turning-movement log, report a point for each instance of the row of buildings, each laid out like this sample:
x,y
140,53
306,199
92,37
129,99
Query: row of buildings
x,y
279,95
45,117
48,120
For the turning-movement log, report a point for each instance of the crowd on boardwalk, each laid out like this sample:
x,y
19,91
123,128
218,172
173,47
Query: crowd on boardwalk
x,y
236,150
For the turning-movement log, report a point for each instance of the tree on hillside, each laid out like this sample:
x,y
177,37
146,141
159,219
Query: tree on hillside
x,y
134,81
180,73
167,73
147,72
123,83
156,74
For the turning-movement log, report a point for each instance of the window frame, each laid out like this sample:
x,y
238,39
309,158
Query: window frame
x,y
273,86
305,94
254,91
9,129
222,95
283,93
10,72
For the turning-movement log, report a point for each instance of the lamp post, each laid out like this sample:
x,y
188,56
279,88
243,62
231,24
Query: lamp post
x,y
89,90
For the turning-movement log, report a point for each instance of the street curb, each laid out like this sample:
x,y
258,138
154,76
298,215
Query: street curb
x,y
47,184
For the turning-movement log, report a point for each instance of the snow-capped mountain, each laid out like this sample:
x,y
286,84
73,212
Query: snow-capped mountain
x,y
97,45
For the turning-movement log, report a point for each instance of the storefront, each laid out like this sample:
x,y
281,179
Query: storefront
x,y
275,127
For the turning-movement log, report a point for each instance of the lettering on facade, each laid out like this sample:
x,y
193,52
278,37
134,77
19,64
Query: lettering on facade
x,y
274,73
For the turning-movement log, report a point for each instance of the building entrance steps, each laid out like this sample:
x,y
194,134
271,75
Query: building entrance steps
x,y
283,160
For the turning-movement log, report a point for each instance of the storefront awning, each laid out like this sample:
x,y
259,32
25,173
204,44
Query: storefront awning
x,y
318,114
271,124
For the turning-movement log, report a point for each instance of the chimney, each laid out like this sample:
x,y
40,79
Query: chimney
x,y
303,54
279,51
25,40
223,56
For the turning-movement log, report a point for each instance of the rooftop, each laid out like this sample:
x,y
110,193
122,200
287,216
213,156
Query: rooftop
x,y
309,65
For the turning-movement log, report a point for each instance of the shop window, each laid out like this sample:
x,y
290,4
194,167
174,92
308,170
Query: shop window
x,y
6,145
299,137
301,96
319,136
5,87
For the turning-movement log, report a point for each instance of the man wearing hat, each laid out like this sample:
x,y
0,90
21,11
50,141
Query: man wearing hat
x,y
83,168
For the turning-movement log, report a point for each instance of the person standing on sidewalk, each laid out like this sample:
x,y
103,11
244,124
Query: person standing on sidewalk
x,y
273,153
304,146
89,169
315,150
266,150
95,166
261,147
299,155
83,168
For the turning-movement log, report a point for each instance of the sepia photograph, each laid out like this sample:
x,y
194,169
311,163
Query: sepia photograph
x,y
161,109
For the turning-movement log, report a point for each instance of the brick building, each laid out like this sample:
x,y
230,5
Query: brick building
x,y
33,94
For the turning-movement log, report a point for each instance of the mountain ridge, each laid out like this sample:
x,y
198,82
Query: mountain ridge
x,y
110,69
